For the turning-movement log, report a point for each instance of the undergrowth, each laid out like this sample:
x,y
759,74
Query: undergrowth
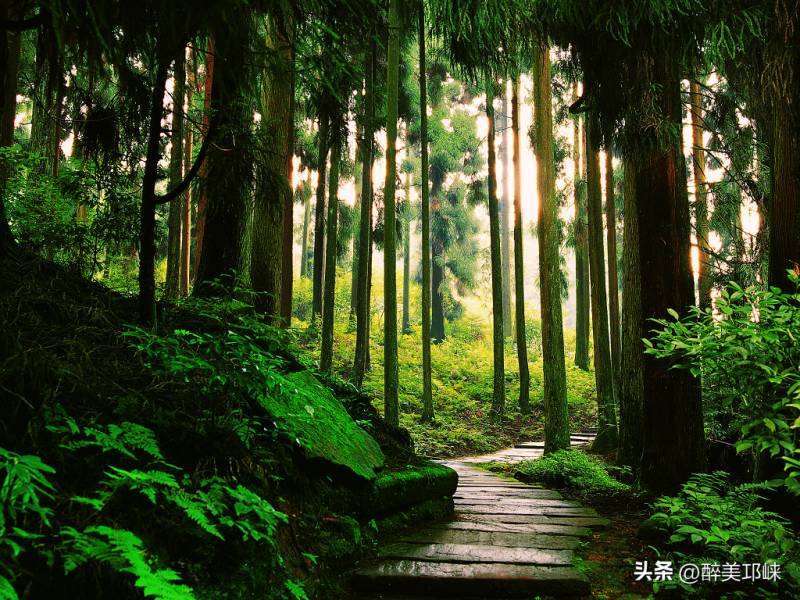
x,y
461,376
573,470
714,521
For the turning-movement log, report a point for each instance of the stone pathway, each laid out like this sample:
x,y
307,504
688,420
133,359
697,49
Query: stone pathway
x,y
506,540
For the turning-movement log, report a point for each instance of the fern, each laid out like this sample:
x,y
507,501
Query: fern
x,y
125,438
122,551
296,589
25,485
7,590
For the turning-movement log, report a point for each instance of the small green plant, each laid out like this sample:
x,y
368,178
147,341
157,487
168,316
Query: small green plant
x,y
572,469
213,505
747,354
716,521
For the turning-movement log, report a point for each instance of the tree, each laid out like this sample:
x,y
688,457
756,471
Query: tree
x,y
498,337
631,367
360,360
229,175
613,283
581,247
186,204
390,377
406,216
202,200
673,444
427,394
318,270
606,439
273,205
700,192
175,177
519,261
505,203
304,192
328,304
556,424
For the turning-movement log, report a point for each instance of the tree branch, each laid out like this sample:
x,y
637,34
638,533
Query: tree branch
x,y
187,180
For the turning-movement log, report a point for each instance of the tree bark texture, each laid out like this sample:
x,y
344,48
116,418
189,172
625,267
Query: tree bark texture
x,y
556,422
498,337
519,261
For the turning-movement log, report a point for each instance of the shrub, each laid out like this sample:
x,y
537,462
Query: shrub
x,y
711,520
572,469
747,354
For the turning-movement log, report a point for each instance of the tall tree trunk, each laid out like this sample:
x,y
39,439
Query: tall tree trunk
x,y
613,284
498,338
173,283
606,439
318,272
229,177
700,199
186,202
326,354
519,262
406,326
359,179
147,214
202,200
273,189
437,281
427,393
629,452
306,220
48,73
556,422
784,214
287,258
673,444
360,360
390,373
581,248
505,202
10,44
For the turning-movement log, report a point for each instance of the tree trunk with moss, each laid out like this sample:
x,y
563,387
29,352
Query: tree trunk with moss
x,y
427,395
202,200
305,190
328,304
318,270
581,248
173,283
700,198
498,336
519,262
673,437
631,367
186,200
273,195
505,202
556,421
406,323
360,361
613,284
606,439
390,367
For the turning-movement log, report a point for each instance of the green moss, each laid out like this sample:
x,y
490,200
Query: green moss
x,y
571,469
416,485
319,424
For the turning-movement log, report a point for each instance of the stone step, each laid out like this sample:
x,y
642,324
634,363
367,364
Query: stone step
x,y
592,522
524,509
500,495
472,553
526,528
459,580
490,538
515,502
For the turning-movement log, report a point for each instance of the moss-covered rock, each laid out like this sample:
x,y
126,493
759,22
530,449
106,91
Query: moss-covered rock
x,y
323,430
397,490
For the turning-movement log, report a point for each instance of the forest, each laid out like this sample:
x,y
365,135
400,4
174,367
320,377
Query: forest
x,y
318,299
